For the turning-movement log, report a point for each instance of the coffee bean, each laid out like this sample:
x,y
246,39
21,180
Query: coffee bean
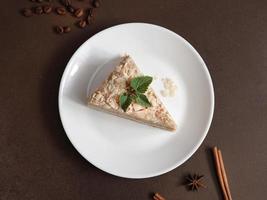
x,y
47,9
38,10
67,29
78,13
61,10
91,12
27,12
86,15
89,19
82,23
96,3
66,2
59,29
70,9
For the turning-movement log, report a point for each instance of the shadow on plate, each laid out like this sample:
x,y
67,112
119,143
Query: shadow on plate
x,y
83,79
48,96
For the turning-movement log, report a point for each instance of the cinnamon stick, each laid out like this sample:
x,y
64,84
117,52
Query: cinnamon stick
x,y
227,188
157,196
219,172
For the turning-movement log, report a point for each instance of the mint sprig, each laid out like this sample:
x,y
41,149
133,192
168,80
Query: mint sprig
x,y
138,86
142,100
125,101
141,83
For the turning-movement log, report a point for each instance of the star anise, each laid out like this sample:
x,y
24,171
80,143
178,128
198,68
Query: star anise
x,y
194,182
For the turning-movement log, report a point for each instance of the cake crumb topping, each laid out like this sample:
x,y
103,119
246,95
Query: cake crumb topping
x,y
169,88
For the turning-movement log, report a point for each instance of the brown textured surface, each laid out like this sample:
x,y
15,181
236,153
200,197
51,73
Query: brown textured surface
x,y
38,162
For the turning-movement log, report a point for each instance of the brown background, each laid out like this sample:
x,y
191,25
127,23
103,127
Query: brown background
x,y
38,162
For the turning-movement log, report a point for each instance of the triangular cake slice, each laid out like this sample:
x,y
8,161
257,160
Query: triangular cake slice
x,y
106,98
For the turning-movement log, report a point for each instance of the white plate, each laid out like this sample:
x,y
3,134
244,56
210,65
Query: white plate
x,y
122,147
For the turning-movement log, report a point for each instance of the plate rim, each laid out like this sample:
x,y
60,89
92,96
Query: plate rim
x,y
207,127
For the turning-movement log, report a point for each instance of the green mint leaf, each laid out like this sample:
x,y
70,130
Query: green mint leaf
x,y
142,100
141,83
125,101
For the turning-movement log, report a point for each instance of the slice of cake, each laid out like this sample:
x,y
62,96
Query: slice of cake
x,y
126,93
